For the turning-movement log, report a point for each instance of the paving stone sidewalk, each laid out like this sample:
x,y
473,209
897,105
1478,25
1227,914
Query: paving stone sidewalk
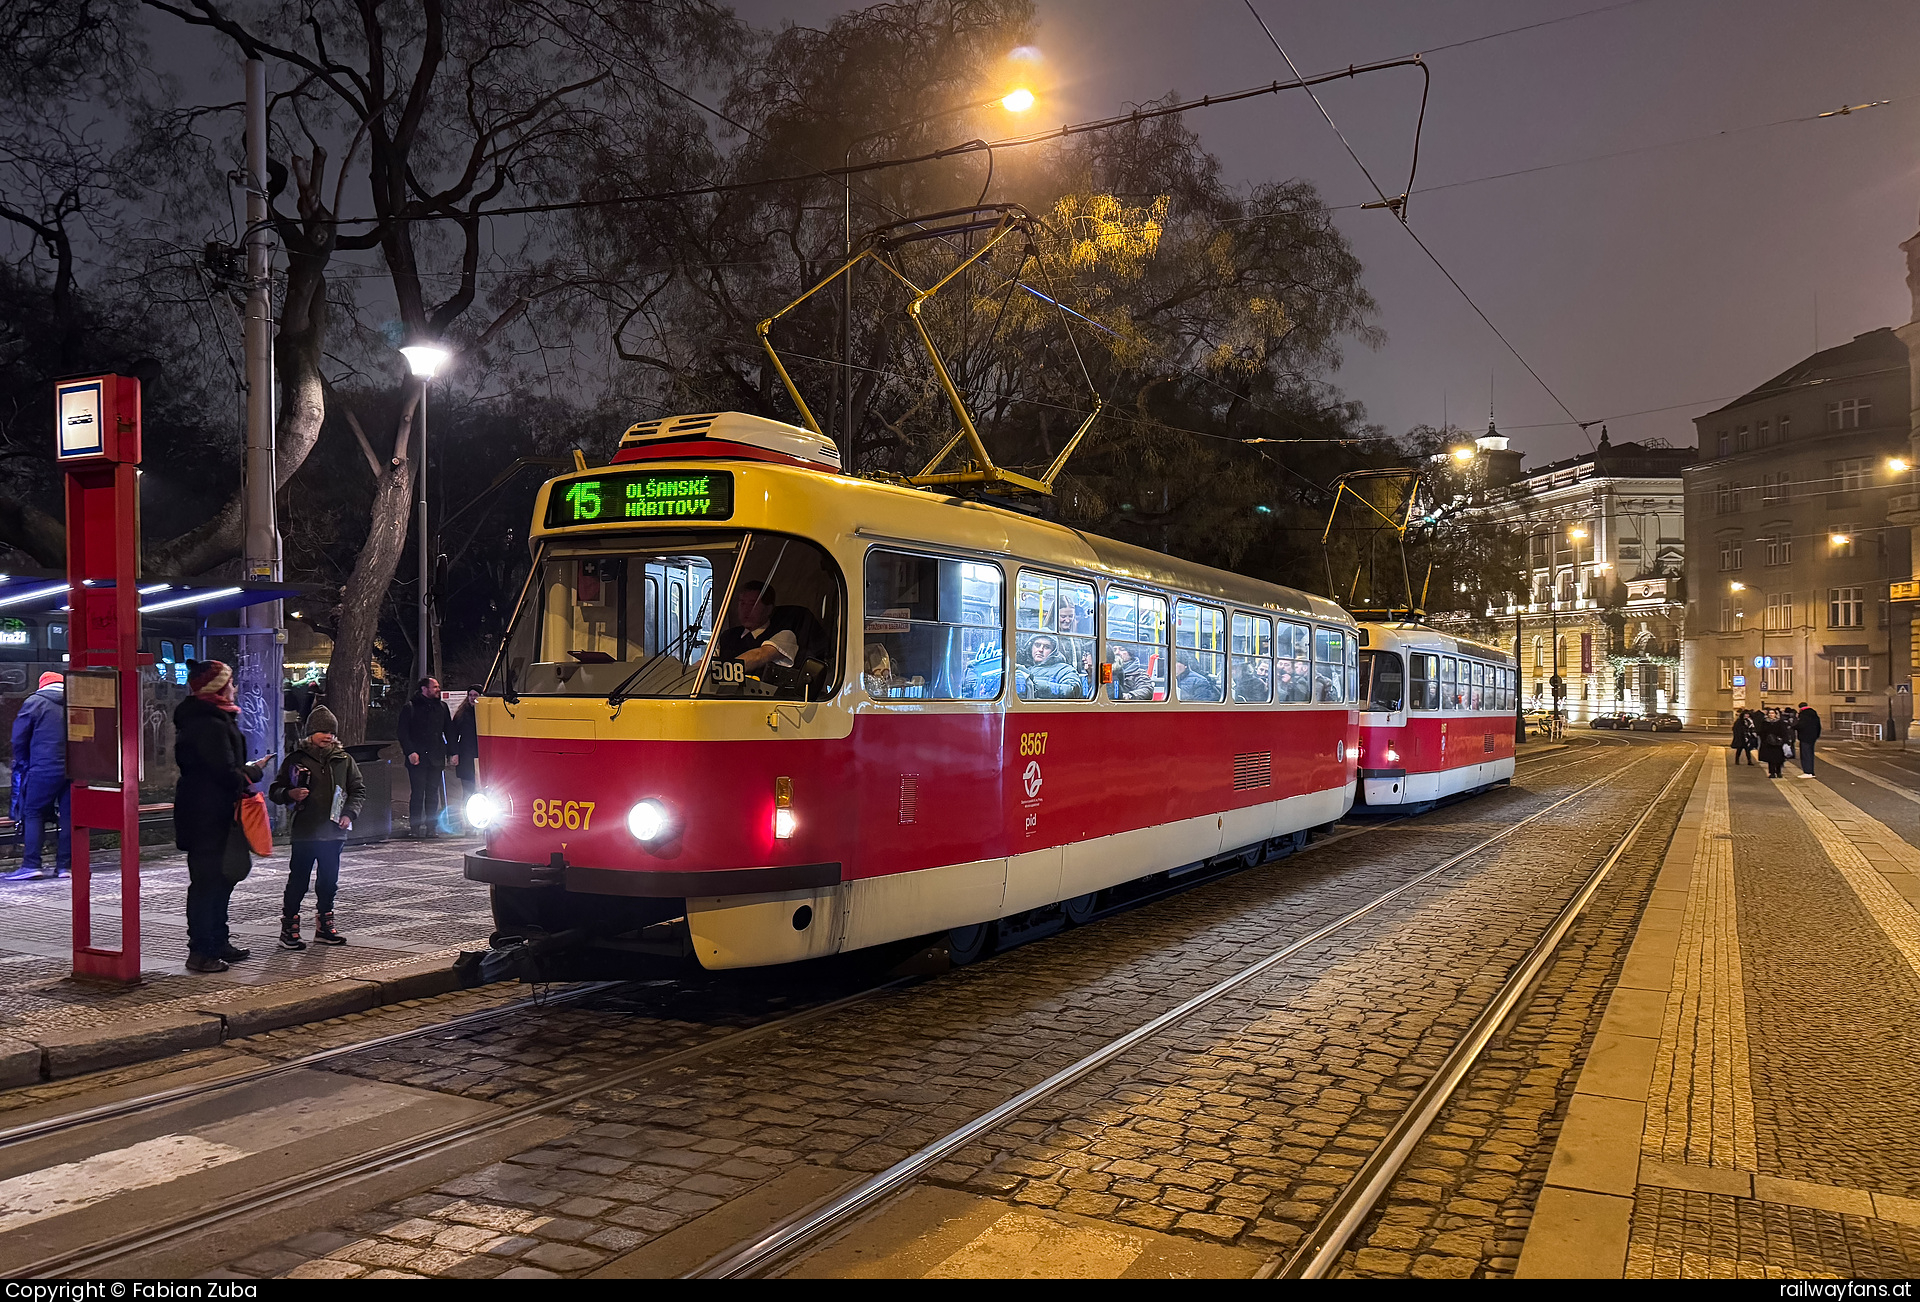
x,y
1745,1110
403,906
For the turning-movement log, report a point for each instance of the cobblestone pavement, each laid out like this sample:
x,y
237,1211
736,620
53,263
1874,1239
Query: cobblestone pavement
x,y
1234,1128
399,901
1764,1126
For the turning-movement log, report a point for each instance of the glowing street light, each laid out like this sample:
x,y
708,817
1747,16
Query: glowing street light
x,y
425,360
1576,532
1463,454
1736,587
1898,465
1839,539
1018,100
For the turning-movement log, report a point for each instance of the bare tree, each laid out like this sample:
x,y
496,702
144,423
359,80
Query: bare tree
x,y
463,109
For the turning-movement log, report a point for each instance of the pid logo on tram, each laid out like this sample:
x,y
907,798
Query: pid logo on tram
x,y
1031,779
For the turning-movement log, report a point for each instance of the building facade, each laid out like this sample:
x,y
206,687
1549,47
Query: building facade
x,y
1604,575
1791,551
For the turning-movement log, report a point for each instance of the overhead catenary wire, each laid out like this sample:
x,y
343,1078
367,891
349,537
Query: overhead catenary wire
x,y
1398,209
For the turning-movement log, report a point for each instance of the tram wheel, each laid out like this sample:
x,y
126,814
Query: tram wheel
x,y
966,944
1078,910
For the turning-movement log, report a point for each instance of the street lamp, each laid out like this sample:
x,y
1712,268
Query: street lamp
x,y
424,360
1018,100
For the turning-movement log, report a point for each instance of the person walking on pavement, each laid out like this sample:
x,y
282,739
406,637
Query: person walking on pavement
x,y
425,729
1775,737
1743,737
41,788
214,774
1806,725
324,786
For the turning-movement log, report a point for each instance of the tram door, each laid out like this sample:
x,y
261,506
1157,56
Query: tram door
x,y
676,602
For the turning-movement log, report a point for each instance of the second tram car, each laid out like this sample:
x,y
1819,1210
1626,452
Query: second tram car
x,y
777,712
1436,714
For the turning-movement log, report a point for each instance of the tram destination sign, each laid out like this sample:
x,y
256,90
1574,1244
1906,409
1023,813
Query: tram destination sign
x,y
641,496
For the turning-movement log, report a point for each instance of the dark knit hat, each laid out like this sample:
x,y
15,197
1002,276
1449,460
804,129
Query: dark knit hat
x,y
322,720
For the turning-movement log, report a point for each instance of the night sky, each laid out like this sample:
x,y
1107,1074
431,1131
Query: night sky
x,y
1673,278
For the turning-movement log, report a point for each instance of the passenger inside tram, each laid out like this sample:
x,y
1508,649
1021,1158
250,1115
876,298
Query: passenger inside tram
x,y
1132,680
1047,675
1053,661
1192,685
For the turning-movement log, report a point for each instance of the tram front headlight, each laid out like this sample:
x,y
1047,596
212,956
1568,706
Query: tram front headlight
x,y
648,821
1393,756
483,810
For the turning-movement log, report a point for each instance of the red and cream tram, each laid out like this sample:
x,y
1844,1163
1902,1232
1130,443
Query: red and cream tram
x,y
1436,714
779,712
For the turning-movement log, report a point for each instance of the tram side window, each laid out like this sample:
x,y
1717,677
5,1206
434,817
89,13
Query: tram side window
x,y
1423,692
1448,668
1506,689
1250,659
1293,663
1137,642
1053,639
1382,678
1476,685
933,628
1329,664
1199,655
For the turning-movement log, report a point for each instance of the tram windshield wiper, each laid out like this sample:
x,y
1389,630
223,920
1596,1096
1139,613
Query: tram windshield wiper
x,y
673,649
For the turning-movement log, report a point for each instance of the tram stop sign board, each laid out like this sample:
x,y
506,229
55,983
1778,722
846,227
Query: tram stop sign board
x,y
97,442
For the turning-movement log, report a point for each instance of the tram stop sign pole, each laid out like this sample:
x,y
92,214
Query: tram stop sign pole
x,y
97,439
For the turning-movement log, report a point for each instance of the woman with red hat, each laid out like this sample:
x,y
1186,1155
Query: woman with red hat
x,y
214,774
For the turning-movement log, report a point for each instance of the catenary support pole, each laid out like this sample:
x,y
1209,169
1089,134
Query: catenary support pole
x,y
257,673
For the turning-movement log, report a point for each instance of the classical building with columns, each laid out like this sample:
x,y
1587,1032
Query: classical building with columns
x,y
1797,525
1605,555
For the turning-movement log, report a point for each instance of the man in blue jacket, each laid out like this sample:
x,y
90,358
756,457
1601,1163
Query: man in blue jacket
x,y
40,756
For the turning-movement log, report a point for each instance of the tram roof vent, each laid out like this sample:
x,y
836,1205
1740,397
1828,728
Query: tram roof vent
x,y
736,427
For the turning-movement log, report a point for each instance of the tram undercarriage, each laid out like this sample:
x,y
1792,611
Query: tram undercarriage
x,y
546,933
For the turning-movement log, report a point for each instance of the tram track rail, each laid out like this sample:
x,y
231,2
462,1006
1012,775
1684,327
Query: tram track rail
x,y
32,1130
105,1253
1317,1254
791,1237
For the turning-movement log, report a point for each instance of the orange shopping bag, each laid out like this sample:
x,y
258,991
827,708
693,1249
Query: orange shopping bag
x,y
250,811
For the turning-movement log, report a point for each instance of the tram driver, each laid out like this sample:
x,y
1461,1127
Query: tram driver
x,y
763,634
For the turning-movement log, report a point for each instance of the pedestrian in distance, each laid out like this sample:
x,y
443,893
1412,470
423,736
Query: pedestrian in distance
x,y
1743,737
1806,727
426,736
41,791
323,785
215,774
1774,740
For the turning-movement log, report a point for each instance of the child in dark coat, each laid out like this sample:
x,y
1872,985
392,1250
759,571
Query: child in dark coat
x,y
324,786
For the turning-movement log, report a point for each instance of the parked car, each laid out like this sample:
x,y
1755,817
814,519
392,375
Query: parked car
x,y
1659,723
1611,721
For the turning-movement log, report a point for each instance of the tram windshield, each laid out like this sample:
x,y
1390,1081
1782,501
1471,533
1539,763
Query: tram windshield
x,y
1382,680
640,617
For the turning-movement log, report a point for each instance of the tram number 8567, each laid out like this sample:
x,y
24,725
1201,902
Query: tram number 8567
x,y
573,815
